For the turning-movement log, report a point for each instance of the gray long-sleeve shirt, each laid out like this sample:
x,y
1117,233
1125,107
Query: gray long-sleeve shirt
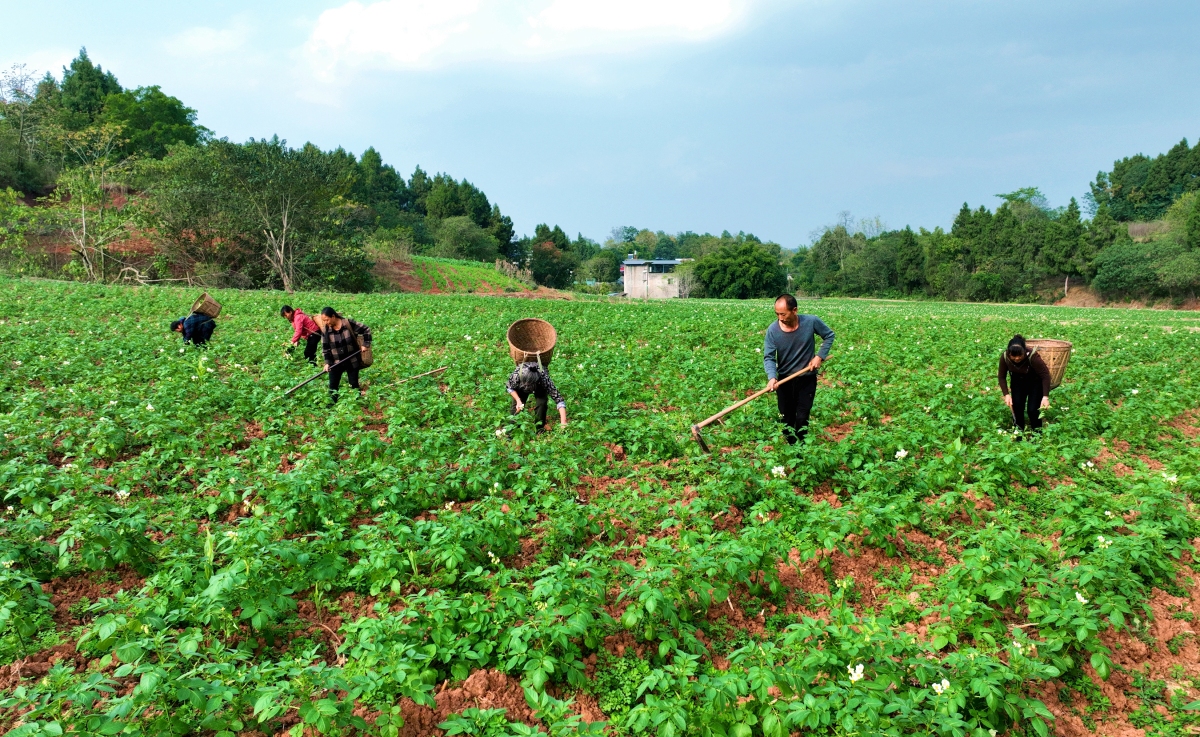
x,y
786,353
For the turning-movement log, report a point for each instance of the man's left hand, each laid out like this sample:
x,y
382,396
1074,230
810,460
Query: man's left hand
x,y
814,364
1045,402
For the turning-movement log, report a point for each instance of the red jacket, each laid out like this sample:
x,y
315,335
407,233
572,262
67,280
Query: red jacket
x,y
304,326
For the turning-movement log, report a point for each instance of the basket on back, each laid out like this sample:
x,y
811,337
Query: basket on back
x,y
531,339
1056,354
206,305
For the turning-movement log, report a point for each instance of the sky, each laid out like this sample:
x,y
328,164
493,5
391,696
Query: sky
x,y
762,116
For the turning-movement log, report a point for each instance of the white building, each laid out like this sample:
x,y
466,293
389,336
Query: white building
x,y
650,278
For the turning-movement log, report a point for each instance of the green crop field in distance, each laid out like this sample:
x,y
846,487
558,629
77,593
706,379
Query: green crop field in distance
x,y
184,550
451,275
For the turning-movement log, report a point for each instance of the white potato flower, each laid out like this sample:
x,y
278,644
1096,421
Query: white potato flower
x,y
856,673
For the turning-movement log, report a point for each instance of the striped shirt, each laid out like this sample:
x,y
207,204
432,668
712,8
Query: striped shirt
x,y
338,344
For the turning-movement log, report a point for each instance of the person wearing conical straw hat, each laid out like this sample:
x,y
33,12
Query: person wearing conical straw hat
x,y
1030,383
532,378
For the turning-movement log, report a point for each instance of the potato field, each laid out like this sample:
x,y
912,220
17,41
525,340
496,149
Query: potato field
x,y
186,551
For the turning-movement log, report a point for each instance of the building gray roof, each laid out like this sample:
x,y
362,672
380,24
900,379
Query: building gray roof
x,y
641,261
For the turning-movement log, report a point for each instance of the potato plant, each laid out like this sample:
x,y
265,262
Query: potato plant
x,y
916,568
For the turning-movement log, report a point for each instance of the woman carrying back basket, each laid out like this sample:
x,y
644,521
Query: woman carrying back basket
x,y
1030,383
531,345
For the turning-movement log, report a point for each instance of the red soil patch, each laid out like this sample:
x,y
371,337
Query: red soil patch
x,y
587,707
616,453
592,487
1151,464
1187,423
485,689
728,520
731,610
1135,656
805,576
530,547
38,665
839,432
824,493
322,627
67,592
617,644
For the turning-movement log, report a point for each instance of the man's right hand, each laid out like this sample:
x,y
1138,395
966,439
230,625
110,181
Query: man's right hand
x,y
771,384
326,368
520,406
1008,399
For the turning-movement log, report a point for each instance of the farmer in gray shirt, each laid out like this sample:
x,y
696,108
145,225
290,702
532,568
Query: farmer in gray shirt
x,y
787,350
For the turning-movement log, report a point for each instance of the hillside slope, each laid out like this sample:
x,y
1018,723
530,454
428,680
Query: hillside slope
x,y
450,276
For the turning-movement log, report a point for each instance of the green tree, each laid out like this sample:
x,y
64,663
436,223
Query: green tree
x,y
1140,188
24,164
1180,276
276,196
1062,250
1128,269
910,262
89,201
151,121
1192,226
551,266
460,237
742,271
605,266
84,89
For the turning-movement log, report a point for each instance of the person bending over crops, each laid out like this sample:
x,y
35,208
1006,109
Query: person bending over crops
x,y
197,328
340,346
1030,383
532,378
789,349
304,329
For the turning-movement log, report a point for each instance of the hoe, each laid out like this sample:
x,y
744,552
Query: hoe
x,y
717,417
321,373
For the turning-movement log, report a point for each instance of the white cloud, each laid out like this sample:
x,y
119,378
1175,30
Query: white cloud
x,y
202,41
403,34
671,16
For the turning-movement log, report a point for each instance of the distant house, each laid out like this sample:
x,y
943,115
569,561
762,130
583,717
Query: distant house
x,y
650,278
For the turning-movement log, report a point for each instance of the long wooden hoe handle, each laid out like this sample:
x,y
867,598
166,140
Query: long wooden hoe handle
x,y
717,417
427,373
319,373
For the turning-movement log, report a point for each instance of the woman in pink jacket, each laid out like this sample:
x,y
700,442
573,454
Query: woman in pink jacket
x,y
305,329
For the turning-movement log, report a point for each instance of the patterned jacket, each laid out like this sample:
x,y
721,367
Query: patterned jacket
x,y
337,344
544,383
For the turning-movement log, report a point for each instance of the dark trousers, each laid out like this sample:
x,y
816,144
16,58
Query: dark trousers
x,y
335,380
310,348
1027,396
795,400
541,401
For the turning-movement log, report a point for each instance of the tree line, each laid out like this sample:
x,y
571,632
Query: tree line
x,y
1139,238
138,189
1142,240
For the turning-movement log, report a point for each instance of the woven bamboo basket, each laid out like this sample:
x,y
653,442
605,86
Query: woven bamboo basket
x,y
1056,354
531,339
206,305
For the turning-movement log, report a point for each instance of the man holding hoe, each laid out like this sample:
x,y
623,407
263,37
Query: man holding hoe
x,y
787,350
